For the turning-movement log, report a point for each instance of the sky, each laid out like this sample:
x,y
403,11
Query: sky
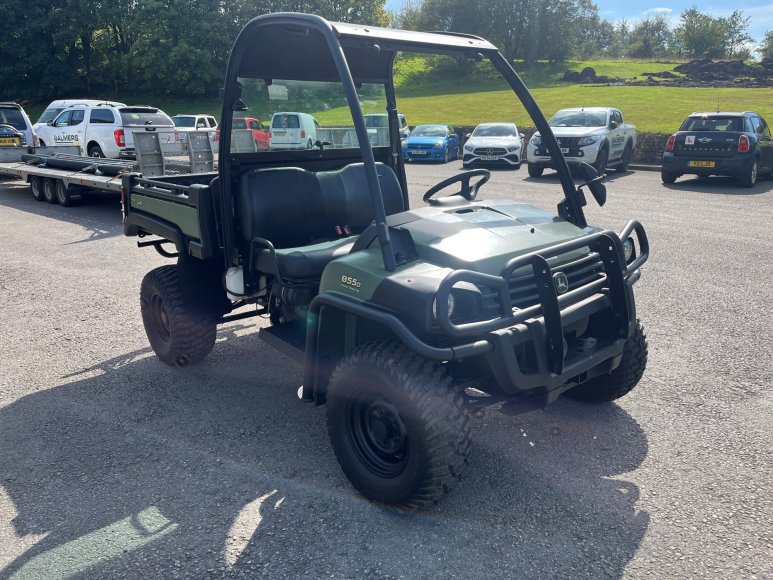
x,y
760,12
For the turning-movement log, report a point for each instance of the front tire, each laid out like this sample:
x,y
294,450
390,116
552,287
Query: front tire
x,y
178,334
535,170
601,161
620,381
401,435
622,167
749,178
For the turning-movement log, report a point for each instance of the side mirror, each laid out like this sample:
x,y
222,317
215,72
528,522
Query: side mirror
x,y
467,135
522,136
593,181
613,125
240,105
50,123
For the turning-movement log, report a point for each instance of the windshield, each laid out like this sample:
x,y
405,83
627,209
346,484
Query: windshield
x,y
13,117
49,114
430,131
579,119
732,124
494,131
376,121
184,121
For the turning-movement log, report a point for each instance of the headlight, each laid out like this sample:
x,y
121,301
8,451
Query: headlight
x,y
585,141
440,144
468,147
451,304
536,140
513,147
628,250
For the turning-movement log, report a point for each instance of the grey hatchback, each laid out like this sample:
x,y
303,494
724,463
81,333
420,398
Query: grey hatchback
x,y
15,127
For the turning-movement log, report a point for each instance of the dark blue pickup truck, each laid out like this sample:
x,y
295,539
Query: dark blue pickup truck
x,y
721,143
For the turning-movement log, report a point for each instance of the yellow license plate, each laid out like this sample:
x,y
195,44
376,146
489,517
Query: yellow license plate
x,y
9,141
701,163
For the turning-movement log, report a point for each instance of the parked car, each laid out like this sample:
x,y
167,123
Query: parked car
x,y
378,128
104,130
494,144
12,116
432,142
293,131
721,143
56,107
598,136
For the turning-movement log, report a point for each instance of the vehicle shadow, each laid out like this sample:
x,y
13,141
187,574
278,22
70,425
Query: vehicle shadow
x,y
131,468
98,213
720,185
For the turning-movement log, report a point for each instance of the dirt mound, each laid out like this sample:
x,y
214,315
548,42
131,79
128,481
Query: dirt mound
x,y
587,76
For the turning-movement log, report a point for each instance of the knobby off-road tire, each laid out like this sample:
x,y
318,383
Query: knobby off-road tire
x,y
620,381
179,335
401,435
535,170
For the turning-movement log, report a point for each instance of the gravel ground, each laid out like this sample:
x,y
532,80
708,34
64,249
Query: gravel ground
x,y
113,465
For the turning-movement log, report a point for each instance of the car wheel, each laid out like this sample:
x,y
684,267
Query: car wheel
x,y
622,167
749,178
535,170
667,177
310,144
63,194
179,335
36,186
42,143
446,155
601,161
620,381
95,151
49,190
398,430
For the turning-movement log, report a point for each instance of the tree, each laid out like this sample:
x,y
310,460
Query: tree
x,y
701,35
766,46
736,33
651,37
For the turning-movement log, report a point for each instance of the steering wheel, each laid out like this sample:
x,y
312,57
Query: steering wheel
x,y
467,191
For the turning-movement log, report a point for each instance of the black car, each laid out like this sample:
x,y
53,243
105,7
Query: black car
x,y
721,143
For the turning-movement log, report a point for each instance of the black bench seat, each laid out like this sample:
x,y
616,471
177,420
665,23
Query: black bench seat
x,y
305,215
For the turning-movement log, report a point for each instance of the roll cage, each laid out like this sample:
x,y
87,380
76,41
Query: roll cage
x,y
352,54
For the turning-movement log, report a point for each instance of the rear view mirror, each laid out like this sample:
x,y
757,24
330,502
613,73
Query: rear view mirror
x,y
593,181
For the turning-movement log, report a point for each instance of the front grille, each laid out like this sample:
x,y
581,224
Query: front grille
x,y
568,141
421,146
490,151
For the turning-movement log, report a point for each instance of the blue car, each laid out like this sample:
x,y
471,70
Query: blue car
x,y
431,142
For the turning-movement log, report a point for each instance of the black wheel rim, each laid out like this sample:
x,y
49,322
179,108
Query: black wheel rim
x,y
160,318
378,434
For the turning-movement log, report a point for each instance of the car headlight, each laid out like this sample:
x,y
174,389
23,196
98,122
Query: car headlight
x,y
439,144
536,140
515,147
468,147
628,250
585,141
451,305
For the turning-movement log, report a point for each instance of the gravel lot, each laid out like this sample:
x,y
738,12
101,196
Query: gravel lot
x,y
113,465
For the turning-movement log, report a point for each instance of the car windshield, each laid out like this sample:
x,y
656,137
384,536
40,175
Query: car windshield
x,y
494,131
13,117
378,121
49,114
579,119
184,121
732,124
430,131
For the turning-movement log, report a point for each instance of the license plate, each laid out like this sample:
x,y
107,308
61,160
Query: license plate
x,y
418,152
9,141
564,150
701,164
279,133
489,157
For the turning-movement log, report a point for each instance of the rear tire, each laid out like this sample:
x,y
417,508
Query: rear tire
x,y
535,170
620,381
178,334
49,190
667,177
749,178
95,151
36,186
401,435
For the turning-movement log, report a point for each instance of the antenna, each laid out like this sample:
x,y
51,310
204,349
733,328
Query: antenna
x,y
717,99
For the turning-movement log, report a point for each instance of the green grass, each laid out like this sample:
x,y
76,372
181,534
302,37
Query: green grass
x,y
440,90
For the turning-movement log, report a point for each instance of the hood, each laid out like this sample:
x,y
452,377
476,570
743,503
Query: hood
x,y
411,140
483,236
476,142
577,131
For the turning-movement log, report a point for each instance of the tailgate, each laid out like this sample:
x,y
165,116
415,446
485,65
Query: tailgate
x,y
708,144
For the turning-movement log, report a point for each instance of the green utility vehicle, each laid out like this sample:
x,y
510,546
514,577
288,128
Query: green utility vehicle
x,y
406,320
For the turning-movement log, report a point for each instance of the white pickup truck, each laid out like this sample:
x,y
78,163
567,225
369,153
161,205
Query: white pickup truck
x,y
595,135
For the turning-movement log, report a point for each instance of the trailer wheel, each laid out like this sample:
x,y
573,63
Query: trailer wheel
x,y
49,190
401,435
179,335
64,194
620,381
36,186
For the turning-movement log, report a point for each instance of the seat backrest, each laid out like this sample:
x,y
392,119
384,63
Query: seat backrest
x,y
292,207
